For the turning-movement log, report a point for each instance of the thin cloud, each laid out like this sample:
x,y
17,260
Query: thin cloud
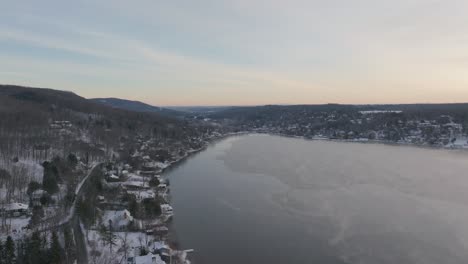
x,y
308,51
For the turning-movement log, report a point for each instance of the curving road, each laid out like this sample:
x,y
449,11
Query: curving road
x,y
73,220
80,241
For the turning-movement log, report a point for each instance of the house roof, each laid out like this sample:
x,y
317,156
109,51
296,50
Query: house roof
x,y
158,245
16,206
135,184
166,207
119,218
149,259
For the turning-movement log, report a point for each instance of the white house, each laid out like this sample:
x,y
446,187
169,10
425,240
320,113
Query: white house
x,y
161,248
166,209
120,220
135,185
113,178
141,195
148,259
15,209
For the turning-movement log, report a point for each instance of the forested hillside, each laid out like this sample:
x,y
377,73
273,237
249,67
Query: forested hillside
x,y
53,145
37,125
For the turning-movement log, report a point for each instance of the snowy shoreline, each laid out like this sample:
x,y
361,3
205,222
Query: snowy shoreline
x,y
367,141
190,153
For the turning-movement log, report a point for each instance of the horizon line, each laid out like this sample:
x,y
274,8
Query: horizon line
x,y
238,105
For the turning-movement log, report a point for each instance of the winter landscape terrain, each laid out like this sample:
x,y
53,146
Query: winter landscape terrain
x,y
82,181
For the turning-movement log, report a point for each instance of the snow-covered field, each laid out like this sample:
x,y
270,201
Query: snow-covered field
x,y
133,241
17,227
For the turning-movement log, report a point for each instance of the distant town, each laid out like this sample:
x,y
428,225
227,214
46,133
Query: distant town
x,y
390,126
443,125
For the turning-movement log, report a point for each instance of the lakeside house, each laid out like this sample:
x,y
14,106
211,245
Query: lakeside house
x,y
113,178
15,209
142,195
59,124
158,231
148,173
166,209
161,248
135,185
120,220
100,199
147,259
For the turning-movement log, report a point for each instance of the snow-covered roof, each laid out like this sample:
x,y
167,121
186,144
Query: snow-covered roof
x,y
16,206
158,245
166,208
161,229
158,164
143,194
134,177
135,184
119,218
149,259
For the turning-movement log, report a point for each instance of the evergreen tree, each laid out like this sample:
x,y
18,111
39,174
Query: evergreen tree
x,y
35,250
49,181
21,249
2,255
133,205
37,214
107,236
72,160
55,251
69,246
9,251
86,212
154,182
32,187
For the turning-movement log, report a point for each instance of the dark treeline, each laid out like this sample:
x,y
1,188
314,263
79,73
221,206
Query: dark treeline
x,y
275,112
38,249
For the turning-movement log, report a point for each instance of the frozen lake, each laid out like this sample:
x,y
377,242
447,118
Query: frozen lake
x,y
269,199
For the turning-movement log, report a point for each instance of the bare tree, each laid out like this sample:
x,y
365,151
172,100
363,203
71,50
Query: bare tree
x,y
125,246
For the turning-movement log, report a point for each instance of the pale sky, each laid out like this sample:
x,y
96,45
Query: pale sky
x,y
240,52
